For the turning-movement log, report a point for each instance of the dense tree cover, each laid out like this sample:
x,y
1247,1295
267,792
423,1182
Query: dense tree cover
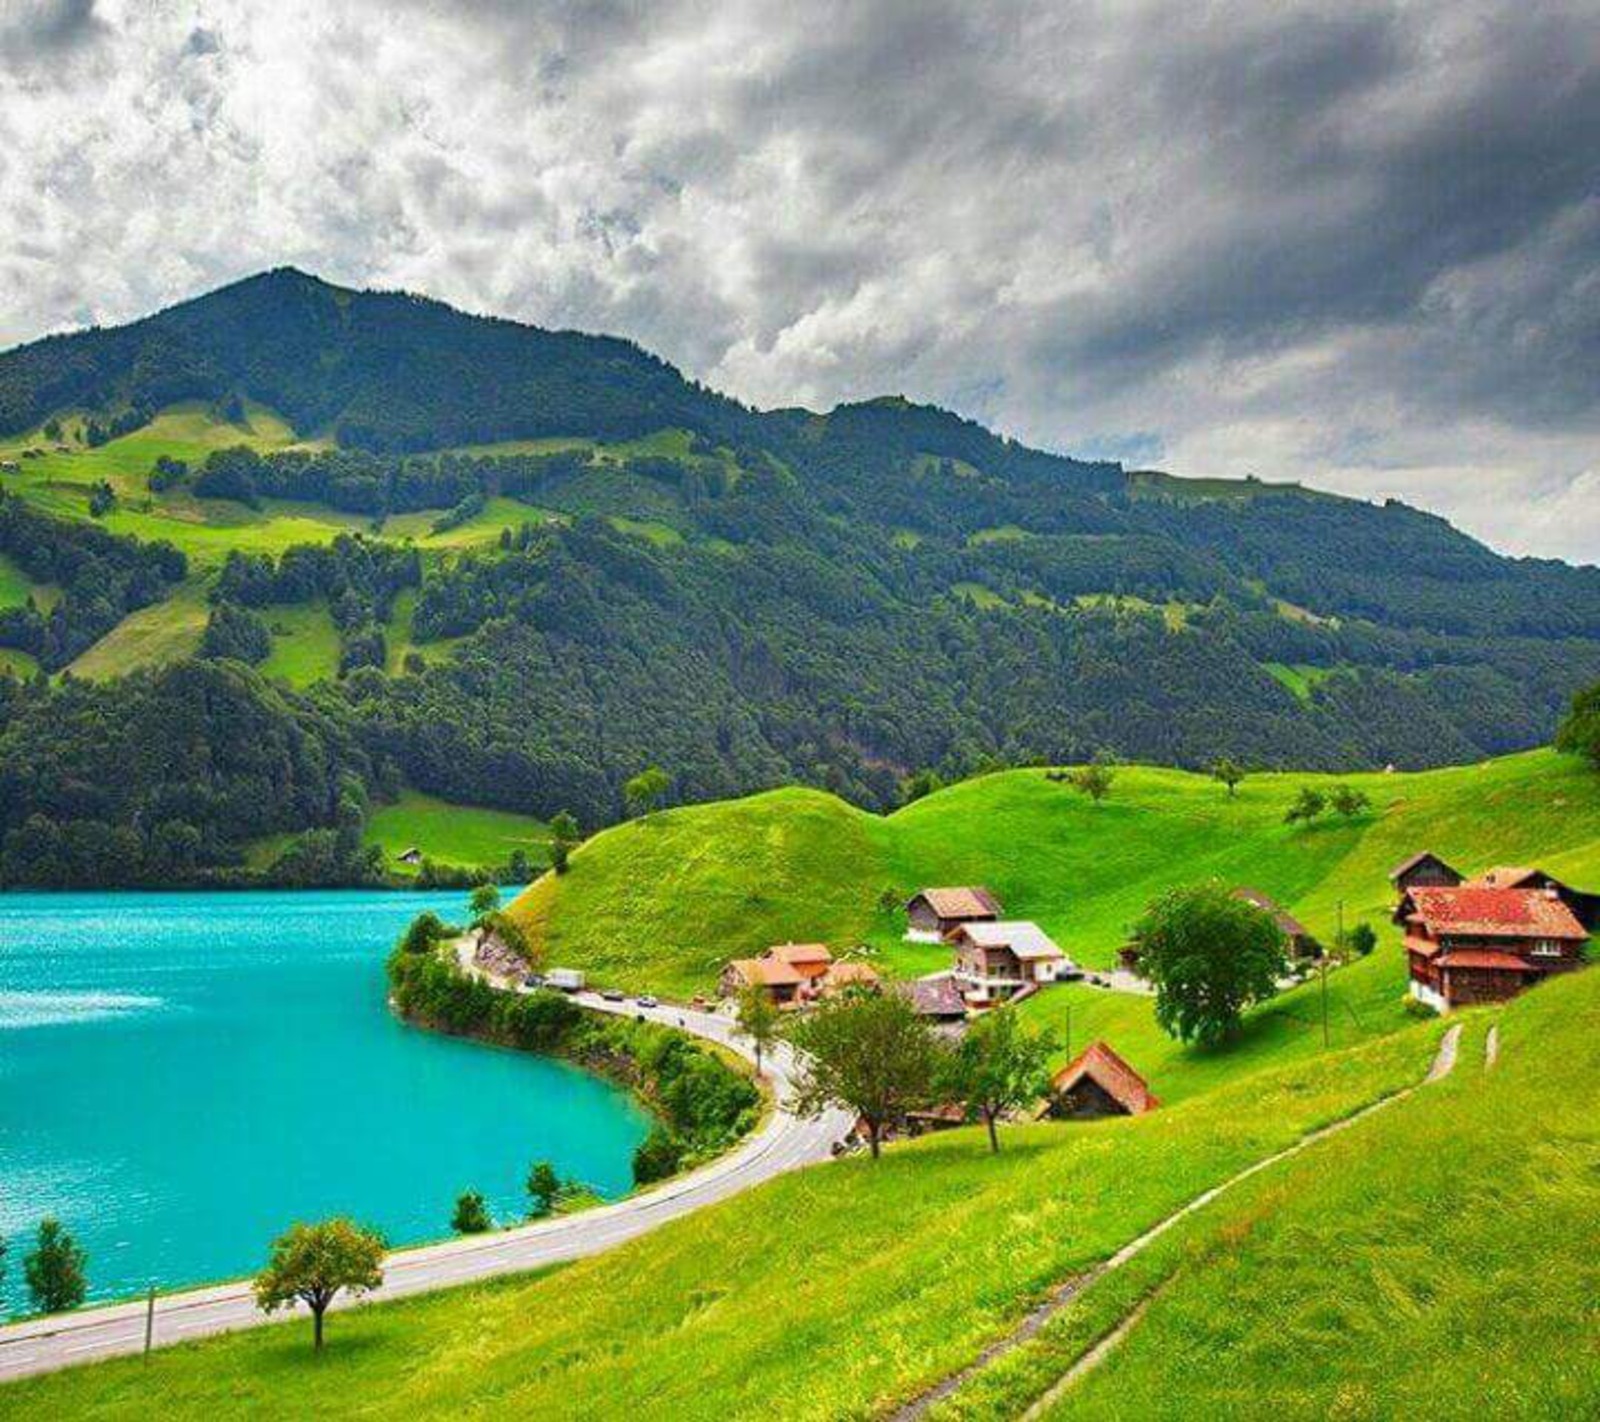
x,y
102,579
380,370
158,777
236,633
1580,731
842,599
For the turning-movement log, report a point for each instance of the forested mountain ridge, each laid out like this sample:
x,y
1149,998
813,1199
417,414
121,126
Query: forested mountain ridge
x,y
545,560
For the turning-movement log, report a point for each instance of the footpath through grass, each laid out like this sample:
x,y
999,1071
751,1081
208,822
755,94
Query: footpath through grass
x,y
833,1291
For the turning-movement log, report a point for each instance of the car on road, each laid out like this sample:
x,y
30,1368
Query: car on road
x,y
613,995
648,1001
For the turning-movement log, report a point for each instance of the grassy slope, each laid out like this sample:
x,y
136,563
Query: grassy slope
x,y
454,834
822,1293
1438,1262
661,903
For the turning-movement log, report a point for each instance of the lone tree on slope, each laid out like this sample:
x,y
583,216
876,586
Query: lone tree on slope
x,y
646,791
870,1053
1228,772
1210,956
311,1263
998,1065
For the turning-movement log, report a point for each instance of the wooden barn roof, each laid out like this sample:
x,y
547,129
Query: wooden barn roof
x,y
1111,1074
960,901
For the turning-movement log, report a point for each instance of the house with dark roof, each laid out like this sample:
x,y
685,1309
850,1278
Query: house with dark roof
x,y
1424,870
932,914
1301,942
1099,1083
1474,943
936,998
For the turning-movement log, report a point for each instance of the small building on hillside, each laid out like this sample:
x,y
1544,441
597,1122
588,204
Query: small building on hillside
x,y
1470,944
996,961
1423,871
782,972
936,998
1585,906
793,974
1099,1083
849,975
932,914
410,855
1301,943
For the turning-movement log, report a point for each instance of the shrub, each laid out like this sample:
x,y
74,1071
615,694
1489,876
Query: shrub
x,y
471,1215
659,1155
1415,1007
1363,939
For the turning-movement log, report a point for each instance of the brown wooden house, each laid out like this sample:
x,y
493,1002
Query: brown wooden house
x,y
1301,942
932,914
1099,1083
1470,944
784,972
1424,871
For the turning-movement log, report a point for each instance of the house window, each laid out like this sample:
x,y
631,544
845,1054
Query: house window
x,y
1546,948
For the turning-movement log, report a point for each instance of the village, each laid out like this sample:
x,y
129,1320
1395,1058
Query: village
x,y
1467,940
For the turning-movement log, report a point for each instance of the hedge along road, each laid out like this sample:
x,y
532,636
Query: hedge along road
x,y
787,1140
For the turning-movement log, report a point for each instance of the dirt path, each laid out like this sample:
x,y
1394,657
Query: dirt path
x,y
1443,1064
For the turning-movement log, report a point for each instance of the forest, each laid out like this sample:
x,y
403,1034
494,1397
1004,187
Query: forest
x,y
762,597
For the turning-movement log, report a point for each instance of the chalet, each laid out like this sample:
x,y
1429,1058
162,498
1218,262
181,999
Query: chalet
x,y
784,972
793,974
932,914
1468,943
411,855
1099,1083
995,961
937,998
1424,871
1585,906
1301,943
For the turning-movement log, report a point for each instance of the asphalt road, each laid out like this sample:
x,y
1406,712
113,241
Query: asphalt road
x,y
785,1141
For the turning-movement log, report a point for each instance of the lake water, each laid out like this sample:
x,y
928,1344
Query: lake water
x,y
182,1075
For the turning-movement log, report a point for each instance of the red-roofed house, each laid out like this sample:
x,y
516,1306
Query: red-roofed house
x,y
796,973
1473,943
1099,1083
933,913
1585,907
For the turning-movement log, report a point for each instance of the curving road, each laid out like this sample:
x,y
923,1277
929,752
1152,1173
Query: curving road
x,y
786,1141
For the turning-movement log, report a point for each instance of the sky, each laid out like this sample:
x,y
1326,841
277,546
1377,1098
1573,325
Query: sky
x,y
1352,244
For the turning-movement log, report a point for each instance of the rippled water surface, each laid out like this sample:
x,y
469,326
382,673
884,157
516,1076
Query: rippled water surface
x,y
181,1075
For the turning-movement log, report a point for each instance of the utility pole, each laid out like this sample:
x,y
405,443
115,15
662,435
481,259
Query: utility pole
x,y
149,1320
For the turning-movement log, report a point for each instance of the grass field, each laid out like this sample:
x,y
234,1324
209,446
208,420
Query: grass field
x,y
825,1293
455,834
153,636
661,903
305,643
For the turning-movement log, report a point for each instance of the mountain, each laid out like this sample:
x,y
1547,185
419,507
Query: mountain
x,y
512,567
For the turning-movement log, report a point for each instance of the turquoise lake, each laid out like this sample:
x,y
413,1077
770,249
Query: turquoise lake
x,y
182,1075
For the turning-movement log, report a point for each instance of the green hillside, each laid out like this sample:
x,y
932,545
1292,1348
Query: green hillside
x,y
661,903
1383,1262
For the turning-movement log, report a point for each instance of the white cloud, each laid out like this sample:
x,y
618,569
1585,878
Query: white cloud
x,y
1353,245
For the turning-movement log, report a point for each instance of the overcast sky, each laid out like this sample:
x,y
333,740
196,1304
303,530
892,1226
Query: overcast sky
x,y
1353,244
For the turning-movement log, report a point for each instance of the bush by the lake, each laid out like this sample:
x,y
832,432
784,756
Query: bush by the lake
x,y
701,1101
471,1215
55,1269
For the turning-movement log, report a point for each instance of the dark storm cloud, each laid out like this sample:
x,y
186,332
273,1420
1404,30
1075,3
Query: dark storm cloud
x,y
1353,243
